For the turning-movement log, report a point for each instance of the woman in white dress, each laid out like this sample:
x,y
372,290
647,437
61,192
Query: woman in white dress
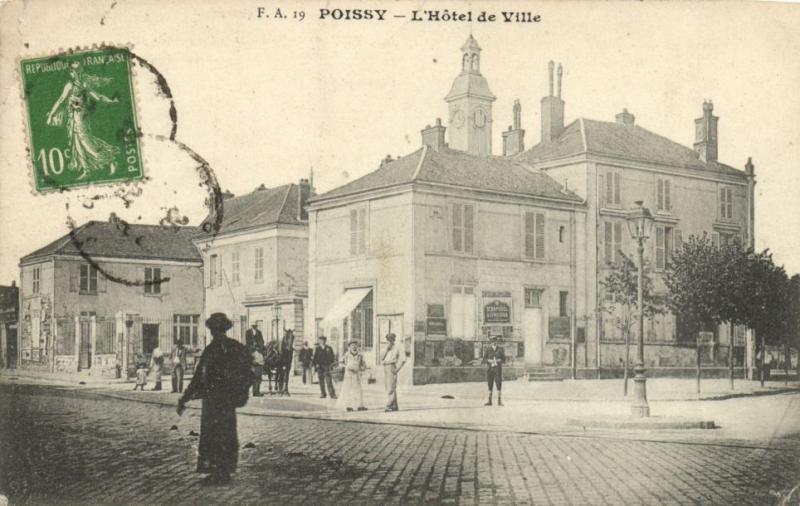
x,y
352,396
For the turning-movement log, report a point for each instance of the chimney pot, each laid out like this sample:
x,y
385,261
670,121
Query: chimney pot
x,y
433,136
625,118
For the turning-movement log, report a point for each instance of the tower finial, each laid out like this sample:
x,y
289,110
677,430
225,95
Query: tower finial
x,y
558,81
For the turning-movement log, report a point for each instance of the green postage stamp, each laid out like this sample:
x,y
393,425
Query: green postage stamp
x,y
81,119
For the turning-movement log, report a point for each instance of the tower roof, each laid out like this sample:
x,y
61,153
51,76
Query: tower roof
x,y
470,45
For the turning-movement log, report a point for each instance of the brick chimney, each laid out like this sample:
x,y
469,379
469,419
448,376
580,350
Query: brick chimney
x,y
625,118
433,136
552,108
303,195
705,128
514,138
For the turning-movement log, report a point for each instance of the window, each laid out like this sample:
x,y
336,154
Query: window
x,y
462,312
88,278
152,280
463,227
258,264
612,188
726,203
561,234
534,235
665,245
184,327
612,241
361,322
235,268
721,239
36,277
663,197
214,274
358,231
533,297
563,304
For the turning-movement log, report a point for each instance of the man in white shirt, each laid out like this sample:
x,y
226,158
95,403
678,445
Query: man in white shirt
x,y
392,361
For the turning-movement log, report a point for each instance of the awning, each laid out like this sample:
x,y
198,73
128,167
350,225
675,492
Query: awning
x,y
344,306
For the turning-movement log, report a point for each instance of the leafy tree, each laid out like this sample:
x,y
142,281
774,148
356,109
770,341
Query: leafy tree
x,y
621,300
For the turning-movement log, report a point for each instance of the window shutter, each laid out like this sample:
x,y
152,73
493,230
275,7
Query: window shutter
x,y
468,229
540,235
678,239
602,189
353,232
722,202
715,239
74,276
667,196
208,272
660,194
660,248
362,231
163,285
609,242
617,238
617,198
529,235
101,281
457,244
610,188
729,203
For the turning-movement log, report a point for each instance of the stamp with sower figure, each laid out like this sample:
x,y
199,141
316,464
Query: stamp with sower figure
x,y
82,124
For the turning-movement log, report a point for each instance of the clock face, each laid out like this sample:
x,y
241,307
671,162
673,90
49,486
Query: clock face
x,y
480,118
458,118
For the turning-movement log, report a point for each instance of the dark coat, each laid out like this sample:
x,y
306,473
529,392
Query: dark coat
x,y
306,354
323,356
254,340
499,354
222,379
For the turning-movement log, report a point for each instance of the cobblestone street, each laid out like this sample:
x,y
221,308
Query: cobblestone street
x,y
62,445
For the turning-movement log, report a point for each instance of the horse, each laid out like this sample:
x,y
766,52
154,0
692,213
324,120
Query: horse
x,y
278,362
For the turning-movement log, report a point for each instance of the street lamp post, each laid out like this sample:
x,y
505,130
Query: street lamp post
x,y
276,313
640,222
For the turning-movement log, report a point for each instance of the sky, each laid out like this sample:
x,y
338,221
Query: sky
x,y
266,100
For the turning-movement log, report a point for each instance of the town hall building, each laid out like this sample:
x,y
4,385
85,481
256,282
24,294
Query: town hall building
x,y
451,244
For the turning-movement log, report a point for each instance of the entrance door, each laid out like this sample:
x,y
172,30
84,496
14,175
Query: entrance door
x,y
149,337
532,330
86,344
11,350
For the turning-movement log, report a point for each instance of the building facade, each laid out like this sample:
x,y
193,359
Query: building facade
x,y
449,245
256,260
9,316
99,296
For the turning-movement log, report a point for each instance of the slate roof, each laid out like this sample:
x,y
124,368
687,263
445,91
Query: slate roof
x,y
629,142
457,168
260,208
118,240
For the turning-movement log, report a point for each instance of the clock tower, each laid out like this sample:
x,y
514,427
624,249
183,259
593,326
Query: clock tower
x,y
470,105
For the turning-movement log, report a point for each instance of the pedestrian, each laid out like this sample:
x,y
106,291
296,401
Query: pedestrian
x,y
305,360
156,366
178,359
323,362
141,375
354,367
392,362
253,338
222,380
494,356
258,371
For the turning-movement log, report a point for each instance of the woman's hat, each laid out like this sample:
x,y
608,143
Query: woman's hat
x,y
219,321
391,337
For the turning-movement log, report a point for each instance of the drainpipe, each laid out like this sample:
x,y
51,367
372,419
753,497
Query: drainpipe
x,y
596,265
573,290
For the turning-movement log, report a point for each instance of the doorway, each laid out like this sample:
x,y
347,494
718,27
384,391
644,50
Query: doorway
x,y
532,330
85,356
149,338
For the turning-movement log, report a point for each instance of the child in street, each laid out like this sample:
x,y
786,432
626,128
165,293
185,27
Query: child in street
x,y
141,376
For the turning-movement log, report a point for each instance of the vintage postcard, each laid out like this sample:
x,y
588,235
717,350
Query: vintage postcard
x,y
452,252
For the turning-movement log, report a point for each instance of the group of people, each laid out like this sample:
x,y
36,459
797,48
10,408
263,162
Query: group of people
x,y
157,359
224,376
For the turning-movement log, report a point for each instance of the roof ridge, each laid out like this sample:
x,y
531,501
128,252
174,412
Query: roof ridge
x,y
583,135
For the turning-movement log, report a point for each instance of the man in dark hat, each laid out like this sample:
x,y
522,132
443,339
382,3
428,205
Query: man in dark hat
x,y
323,362
494,356
222,380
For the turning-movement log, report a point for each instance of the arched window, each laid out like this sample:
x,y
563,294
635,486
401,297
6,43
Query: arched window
x,y
465,63
474,62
